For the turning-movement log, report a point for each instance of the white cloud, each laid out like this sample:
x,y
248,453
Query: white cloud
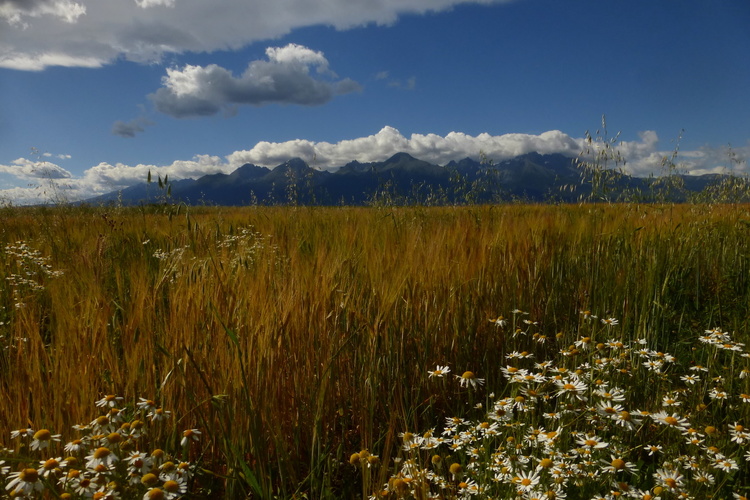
x,y
58,156
51,182
389,141
145,4
283,78
90,33
23,168
16,12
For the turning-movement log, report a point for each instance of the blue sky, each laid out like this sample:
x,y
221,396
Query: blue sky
x,y
106,91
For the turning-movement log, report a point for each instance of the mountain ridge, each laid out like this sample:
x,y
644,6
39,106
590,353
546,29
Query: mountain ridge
x,y
404,179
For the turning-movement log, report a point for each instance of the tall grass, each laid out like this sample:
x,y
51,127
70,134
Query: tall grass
x,y
294,336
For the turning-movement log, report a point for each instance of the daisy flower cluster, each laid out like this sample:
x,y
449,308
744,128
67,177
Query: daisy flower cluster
x,y
107,459
31,269
591,415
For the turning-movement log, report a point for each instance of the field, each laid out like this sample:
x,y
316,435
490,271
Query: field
x,y
515,351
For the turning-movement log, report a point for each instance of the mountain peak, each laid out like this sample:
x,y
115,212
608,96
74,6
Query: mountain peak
x,y
249,171
400,158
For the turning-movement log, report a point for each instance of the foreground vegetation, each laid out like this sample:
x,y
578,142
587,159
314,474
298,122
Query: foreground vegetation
x,y
316,352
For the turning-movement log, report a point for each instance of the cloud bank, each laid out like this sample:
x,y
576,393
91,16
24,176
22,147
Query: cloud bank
x,y
90,33
644,157
285,78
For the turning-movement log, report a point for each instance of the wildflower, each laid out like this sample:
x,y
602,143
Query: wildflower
x,y
455,469
159,415
468,378
146,405
614,395
168,470
703,477
693,438
739,434
614,344
440,371
583,343
625,419
670,400
139,462
717,394
28,432
155,494
102,425
49,467
42,439
75,446
654,365
587,315
591,442
101,456
610,321
175,488
486,428
605,409
571,386
24,483
513,374
553,415
726,464
617,464
745,398
652,448
109,401
672,479
499,321
526,480
644,495
673,420
189,435
690,379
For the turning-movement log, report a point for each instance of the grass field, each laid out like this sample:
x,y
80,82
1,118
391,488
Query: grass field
x,y
301,351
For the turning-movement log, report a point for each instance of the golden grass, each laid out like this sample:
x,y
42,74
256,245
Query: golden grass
x,y
294,336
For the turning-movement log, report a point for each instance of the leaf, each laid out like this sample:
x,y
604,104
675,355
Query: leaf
x,y
247,474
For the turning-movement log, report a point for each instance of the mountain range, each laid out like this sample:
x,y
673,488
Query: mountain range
x,y
403,179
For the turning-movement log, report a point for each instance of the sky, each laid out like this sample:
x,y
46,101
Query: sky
x,y
94,94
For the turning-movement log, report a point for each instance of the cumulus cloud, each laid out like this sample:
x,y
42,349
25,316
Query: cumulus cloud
x,y
285,78
26,169
644,157
93,33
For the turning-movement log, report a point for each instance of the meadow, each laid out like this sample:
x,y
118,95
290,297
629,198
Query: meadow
x,y
511,351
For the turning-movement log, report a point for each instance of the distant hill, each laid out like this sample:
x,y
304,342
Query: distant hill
x,y
403,179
